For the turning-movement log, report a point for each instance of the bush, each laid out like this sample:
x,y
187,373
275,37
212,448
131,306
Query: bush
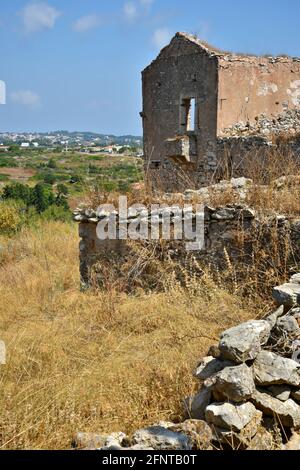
x,y
49,179
10,218
57,213
17,191
52,164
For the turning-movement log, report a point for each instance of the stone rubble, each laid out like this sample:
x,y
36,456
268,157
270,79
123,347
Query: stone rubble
x,y
288,122
249,396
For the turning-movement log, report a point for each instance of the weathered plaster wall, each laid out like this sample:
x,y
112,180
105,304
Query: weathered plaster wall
x,y
252,86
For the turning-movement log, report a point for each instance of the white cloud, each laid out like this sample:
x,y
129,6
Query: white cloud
x,y
38,15
161,37
26,98
85,23
130,11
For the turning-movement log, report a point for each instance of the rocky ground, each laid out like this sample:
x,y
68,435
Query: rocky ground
x,y
249,395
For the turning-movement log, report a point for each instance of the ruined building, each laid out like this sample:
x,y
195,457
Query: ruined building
x,y
204,110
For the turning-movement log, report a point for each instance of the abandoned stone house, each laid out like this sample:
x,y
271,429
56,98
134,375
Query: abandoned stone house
x,y
204,110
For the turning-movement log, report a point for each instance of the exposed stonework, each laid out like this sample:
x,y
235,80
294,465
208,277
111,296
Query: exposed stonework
x,y
229,232
198,100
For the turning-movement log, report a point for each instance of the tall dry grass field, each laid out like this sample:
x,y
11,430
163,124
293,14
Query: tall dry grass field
x,y
94,361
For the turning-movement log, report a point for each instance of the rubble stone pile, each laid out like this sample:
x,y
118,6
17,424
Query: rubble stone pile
x,y
249,396
288,123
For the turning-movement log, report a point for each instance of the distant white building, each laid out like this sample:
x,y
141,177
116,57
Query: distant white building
x,y
25,145
35,144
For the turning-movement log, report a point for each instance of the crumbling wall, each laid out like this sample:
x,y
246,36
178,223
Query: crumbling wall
x,y
231,231
181,71
251,86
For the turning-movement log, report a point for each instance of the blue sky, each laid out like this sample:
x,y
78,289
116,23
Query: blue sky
x,y
75,64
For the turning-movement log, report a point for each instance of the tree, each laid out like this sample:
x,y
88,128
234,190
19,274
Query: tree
x,y
62,190
49,179
17,191
42,197
52,164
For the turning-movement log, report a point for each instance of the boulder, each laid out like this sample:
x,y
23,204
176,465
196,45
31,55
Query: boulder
x,y
288,412
244,342
288,323
271,369
281,392
198,431
229,416
287,295
195,406
234,383
272,319
238,440
159,438
209,366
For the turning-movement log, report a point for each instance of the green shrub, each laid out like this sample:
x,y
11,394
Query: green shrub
x,y
18,192
49,179
57,213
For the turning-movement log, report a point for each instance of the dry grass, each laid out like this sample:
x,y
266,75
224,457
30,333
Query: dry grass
x,y
94,361
109,361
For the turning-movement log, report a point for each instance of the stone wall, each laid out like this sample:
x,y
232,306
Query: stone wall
x,y
230,232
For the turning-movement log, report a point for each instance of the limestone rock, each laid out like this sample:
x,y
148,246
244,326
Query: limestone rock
x,y
114,441
198,431
296,396
294,442
295,312
289,324
271,369
238,440
195,406
243,343
230,416
295,279
159,438
234,383
272,319
287,412
89,441
287,294
210,366
281,392
224,213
